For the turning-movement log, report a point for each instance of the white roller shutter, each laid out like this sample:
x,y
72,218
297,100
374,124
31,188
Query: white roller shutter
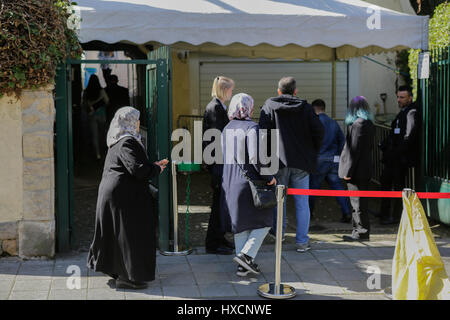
x,y
260,80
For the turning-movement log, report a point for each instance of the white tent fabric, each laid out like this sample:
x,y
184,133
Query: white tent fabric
x,y
305,23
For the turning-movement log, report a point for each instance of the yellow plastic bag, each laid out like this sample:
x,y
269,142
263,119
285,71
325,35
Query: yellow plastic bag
x,y
418,272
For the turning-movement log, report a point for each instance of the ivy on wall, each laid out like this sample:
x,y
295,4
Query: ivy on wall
x,y
35,36
438,37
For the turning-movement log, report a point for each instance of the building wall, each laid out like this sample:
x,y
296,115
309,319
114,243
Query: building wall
x,y
369,79
180,86
27,190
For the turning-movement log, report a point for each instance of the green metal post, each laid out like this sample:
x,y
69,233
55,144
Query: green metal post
x,y
62,168
70,152
163,139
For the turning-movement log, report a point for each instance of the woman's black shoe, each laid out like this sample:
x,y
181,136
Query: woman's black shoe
x,y
228,244
353,238
220,250
128,284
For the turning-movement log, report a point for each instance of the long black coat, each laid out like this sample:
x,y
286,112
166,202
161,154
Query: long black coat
x,y
124,241
356,157
215,117
239,212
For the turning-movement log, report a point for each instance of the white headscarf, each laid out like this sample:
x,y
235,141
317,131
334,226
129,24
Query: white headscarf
x,y
241,107
124,124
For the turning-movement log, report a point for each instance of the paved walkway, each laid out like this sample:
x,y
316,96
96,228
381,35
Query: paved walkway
x,y
331,270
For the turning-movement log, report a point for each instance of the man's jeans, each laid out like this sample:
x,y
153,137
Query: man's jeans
x,y
298,179
327,169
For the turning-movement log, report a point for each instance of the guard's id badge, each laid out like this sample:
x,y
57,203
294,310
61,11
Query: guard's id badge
x,y
397,131
336,159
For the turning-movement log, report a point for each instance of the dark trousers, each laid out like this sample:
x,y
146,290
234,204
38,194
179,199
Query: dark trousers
x,y
328,170
392,177
360,207
215,234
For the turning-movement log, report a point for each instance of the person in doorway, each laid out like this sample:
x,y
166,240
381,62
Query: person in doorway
x,y
106,67
332,145
118,97
355,164
124,244
300,134
94,102
248,224
215,117
400,152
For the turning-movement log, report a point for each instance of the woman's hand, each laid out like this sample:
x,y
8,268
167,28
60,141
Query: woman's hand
x,y
162,164
347,178
272,182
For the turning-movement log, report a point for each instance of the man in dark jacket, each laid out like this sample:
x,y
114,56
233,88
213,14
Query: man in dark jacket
x,y
300,137
332,145
118,97
399,153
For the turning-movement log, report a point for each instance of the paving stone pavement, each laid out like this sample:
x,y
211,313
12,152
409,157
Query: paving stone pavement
x,y
331,270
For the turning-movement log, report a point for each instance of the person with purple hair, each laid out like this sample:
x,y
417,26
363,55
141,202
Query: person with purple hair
x,y
355,164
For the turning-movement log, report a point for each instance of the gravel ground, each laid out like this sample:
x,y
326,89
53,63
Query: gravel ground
x,y
325,220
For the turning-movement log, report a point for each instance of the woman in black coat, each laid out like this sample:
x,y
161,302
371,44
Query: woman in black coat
x,y
124,245
240,152
355,165
215,117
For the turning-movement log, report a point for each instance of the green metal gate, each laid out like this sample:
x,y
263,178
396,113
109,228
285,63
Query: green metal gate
x,y
159,115
435,98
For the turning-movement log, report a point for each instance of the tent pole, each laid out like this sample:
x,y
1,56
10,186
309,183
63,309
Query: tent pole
x,y
333,85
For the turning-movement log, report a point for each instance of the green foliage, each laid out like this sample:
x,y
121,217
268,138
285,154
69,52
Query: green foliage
x,y
34,38
438,37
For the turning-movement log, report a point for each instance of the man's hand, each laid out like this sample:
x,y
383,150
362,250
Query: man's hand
x,y
272,182
347,178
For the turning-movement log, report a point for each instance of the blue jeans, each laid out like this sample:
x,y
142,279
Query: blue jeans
x,y
298,179
249,241
328,170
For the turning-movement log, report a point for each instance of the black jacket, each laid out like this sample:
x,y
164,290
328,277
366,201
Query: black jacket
x,y
401,145
356,157
118,97
300,131
215,117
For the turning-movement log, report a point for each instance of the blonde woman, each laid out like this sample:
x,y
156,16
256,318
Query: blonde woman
x,y
216,117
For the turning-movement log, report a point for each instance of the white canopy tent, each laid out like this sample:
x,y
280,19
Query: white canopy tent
x,y
306,29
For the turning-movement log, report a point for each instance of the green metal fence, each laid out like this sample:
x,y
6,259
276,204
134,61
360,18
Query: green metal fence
x,y
435,98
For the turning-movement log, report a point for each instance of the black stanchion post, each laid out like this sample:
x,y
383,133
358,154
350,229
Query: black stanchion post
x,y
278,290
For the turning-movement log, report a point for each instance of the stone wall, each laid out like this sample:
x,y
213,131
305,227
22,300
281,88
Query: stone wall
x,y
27,213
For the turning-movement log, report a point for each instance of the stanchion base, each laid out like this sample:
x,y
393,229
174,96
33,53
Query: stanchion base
x,y
268,291
176,253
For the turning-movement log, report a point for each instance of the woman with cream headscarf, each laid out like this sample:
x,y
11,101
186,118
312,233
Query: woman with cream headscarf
x,y
124,245
240,153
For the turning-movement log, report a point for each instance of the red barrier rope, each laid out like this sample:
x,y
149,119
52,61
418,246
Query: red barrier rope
x,y
370,194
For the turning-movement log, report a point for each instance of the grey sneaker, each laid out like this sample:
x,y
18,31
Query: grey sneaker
x,y
303,247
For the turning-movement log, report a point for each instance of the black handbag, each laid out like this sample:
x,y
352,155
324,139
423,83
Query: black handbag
x,y
153,191
264,196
